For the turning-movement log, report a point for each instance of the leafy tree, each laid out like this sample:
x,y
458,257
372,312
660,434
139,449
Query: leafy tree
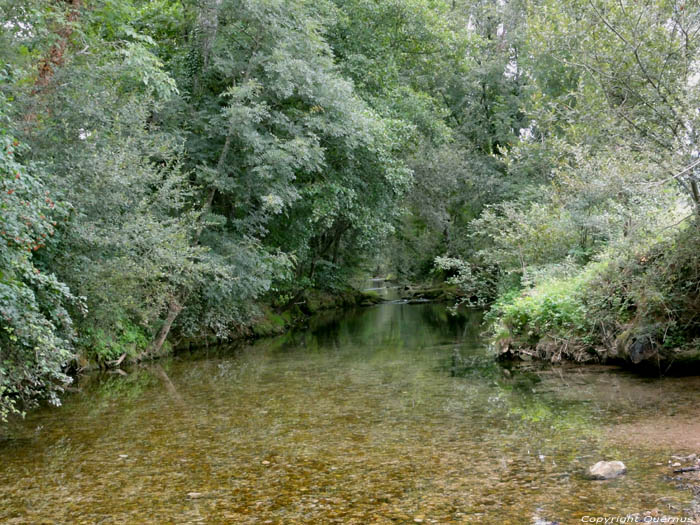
x,y
634,62
292,166
36,331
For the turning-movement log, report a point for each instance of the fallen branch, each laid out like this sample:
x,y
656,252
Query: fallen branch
x,y
117,362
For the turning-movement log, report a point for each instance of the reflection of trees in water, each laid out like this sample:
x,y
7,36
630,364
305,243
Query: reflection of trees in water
x,y
390,324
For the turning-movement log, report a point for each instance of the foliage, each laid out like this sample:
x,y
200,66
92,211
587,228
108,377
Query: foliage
x,y
295,166
604,160
478,284
126,245
36,332
555,307
651,290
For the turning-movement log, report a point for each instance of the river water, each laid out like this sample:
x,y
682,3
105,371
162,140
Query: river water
x,y
389,414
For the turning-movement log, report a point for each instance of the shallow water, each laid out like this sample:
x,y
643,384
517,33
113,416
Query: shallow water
x,y
389,414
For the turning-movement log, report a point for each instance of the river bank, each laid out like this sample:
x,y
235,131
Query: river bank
x,y
632,348
272,320
639,308
544,332
296,313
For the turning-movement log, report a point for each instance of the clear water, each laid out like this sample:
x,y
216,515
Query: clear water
x,y
390,414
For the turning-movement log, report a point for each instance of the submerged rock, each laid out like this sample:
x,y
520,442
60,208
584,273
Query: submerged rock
x,y
607,470
641,349
539,520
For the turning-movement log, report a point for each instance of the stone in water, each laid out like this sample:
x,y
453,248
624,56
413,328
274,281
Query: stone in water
x,y
607,470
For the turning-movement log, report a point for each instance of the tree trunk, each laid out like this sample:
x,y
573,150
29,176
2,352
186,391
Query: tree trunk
x,y
336,246
174,309
176,304
208,25
696,194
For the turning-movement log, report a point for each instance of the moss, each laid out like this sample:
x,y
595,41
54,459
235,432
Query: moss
x,y
270,323
369,298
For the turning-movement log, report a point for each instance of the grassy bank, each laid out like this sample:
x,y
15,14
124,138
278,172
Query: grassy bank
x,y
640,307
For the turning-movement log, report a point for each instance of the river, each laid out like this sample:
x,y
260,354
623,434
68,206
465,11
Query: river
x,y
389,414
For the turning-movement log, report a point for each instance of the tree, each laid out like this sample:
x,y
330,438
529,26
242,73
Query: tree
x,y
290,163
36,331
636,60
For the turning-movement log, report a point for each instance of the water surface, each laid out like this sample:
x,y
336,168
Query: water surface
x,y
390,414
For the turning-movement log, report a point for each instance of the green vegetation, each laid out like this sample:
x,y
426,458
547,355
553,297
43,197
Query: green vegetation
x,y
597,260
36,330
639,306
182,170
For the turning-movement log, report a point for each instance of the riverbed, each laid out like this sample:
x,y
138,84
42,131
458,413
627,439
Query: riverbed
x,y
391,414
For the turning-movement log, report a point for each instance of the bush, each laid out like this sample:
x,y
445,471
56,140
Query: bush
x,y
123,337
555,307
36,331
637,304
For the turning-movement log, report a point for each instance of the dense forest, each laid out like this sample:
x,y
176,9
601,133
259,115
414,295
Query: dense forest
x,y
176,166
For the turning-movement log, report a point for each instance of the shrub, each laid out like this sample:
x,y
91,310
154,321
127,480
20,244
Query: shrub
x,y
36,331
555,307
643,299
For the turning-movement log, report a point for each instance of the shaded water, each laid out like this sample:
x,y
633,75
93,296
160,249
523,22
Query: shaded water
x,y
387,290
390,414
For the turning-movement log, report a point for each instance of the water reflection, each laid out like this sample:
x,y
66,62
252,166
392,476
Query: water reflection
x,y
388,290
388,414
